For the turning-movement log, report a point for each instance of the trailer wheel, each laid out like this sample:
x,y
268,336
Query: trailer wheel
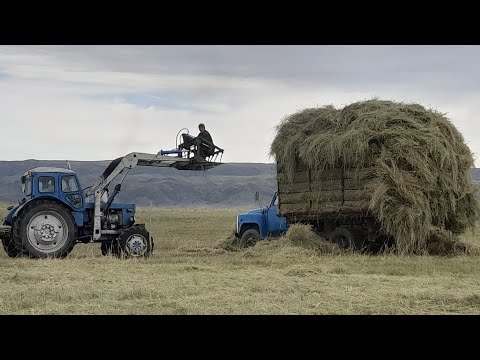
x,y
134,242
45,229
342,237
358,239
387,243
10,248
249,238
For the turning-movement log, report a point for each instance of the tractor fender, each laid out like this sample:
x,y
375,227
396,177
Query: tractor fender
x,y
77,215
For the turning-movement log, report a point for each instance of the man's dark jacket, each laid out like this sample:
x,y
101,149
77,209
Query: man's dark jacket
x,y
207,150
205,135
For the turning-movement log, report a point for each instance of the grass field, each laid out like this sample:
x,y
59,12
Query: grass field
x,y
191,274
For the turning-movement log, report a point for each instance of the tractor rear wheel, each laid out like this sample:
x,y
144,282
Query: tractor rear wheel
x,y
10,248
134,242
45,229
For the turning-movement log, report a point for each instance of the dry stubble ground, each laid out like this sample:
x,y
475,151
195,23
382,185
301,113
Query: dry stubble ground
x,y
191,274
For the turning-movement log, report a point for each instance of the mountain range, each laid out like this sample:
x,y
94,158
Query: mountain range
x,y
231,185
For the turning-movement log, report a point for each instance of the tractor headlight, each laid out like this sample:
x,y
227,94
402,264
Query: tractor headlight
x,y
132,219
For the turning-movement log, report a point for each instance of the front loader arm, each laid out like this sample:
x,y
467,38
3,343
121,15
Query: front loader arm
x,y
132,160
129,162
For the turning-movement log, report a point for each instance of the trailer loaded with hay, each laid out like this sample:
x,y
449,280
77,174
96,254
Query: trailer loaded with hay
x,y
376,173
334,201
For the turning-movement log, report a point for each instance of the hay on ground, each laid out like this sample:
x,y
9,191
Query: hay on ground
x,y
301,235
299,239
444,243
231,243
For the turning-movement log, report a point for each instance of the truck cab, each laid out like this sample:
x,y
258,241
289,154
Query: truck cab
x,y
260,223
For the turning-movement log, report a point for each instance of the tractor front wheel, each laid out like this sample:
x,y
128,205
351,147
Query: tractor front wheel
x,y
135,242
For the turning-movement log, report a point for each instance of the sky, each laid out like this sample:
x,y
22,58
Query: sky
x,y
102,102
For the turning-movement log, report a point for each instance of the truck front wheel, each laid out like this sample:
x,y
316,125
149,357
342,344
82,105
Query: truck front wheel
x,y
249,238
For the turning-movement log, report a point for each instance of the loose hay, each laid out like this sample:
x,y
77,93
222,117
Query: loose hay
x,y
444,243
419,161
299,242
232,243
300,235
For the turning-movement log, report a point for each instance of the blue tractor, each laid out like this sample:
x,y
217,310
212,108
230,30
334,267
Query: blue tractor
x,y
260,223
56,213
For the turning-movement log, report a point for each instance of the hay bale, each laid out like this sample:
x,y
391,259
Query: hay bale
x,y
418,164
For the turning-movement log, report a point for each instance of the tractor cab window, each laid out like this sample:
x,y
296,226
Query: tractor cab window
x,y
28,187
76,200
69,184
46,184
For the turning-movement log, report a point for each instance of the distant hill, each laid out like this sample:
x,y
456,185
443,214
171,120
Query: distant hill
x,y
230,185
475,173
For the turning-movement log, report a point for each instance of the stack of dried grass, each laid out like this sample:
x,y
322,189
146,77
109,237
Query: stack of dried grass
x,y
419,161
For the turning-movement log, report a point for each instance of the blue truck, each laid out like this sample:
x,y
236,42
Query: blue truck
x,y
334,202
260,223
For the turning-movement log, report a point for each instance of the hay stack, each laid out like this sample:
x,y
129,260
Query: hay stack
x,y
419,161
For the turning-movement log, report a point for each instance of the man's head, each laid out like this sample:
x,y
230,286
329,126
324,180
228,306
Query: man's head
x,y
201,127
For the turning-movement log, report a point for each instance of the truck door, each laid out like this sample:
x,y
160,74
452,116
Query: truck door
x,y
275,224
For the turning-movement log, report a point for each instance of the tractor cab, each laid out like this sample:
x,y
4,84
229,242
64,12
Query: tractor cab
x,y
50,182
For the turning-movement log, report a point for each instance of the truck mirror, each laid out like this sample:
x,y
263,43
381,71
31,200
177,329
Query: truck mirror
x,y
257,196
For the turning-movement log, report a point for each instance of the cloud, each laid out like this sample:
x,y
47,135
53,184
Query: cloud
x,y
101,102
